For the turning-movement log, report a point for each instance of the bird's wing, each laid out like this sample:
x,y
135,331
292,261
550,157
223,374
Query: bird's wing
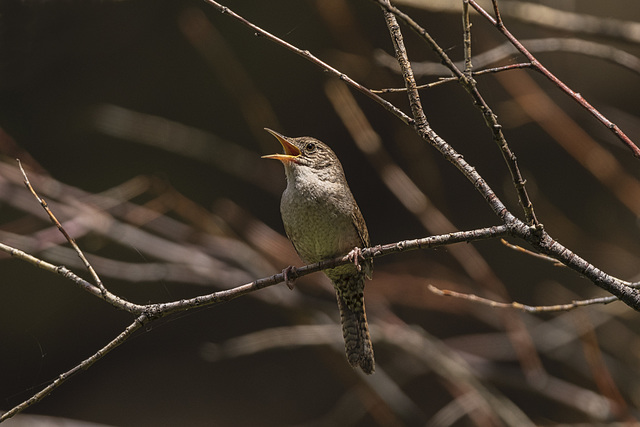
x,y
292,242
363,234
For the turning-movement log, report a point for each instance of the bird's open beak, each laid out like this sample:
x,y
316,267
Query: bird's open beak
x,y
290,150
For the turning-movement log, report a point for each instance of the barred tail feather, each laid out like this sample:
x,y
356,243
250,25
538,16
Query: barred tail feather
x,y
357,341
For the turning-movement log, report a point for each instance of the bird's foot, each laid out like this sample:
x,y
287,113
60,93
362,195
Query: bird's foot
x,y
355,256
288,281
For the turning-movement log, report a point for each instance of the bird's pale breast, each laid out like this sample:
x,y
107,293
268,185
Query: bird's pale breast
x,y
317,217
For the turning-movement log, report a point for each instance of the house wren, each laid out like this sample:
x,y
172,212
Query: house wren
x,y
323,221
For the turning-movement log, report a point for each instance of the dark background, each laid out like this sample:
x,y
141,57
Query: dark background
x,y
63,64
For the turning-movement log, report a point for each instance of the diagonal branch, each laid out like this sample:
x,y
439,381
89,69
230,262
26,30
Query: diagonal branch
x,y
315,60
83,366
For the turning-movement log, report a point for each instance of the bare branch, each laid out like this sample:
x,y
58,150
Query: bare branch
x,y
519,306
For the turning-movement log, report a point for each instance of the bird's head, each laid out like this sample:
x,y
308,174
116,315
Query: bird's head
x,y
304,151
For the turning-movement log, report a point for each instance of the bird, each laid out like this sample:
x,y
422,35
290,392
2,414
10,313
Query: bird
x,y
322,220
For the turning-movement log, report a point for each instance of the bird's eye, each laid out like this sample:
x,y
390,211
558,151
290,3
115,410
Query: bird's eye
x,y
310,147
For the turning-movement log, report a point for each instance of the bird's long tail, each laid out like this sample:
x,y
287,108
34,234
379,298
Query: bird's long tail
x,y
355,330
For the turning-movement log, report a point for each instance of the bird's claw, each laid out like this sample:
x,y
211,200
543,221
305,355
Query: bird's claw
x,y
286,272
354,256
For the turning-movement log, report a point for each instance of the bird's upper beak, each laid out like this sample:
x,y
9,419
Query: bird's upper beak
x,y
290,150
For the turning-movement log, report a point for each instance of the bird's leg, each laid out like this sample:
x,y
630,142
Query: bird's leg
x,y
286,272
354,256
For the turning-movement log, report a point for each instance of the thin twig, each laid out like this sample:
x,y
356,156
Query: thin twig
x,y
519,306
372,252
71,241
425,131
443,80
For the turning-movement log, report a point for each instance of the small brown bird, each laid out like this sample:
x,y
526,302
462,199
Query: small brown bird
x,y
322,220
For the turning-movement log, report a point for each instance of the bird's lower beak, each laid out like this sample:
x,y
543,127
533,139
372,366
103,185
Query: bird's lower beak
x,y
290,150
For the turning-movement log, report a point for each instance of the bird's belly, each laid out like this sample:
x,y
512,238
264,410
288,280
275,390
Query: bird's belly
x,y
318,231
